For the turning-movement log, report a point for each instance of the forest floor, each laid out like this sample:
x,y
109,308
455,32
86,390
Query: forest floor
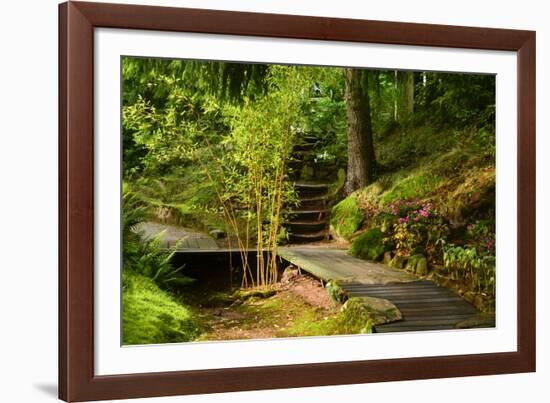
x,y
297,306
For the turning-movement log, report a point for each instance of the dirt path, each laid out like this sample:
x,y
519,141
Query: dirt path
x,y
298,301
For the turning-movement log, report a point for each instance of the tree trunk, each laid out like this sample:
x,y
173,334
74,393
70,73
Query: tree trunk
x,y
361,160
405,95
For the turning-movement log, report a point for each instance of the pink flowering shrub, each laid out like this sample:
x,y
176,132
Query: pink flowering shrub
x,y
414,227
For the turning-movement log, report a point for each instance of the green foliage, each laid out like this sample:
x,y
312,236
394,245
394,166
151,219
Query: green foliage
x,y
323,117
133,212
451,99
346,217
160,130
416,228
472,266
369,245
151,315
356,318
145,256
208,144
252,180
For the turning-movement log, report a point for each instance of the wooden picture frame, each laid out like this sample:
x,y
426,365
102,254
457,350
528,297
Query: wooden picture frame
x,y
77,21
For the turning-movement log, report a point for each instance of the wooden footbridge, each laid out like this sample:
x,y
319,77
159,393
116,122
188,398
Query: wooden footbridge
x,y
423,304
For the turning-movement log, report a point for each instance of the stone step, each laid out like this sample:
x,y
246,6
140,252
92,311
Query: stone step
x,y
301,155
299,211
309,237
311,190
303,147
311,185
309,215
309,221
302,227
314,203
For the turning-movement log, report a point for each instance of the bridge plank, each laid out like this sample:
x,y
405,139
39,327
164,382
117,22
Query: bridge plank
x,y
423,304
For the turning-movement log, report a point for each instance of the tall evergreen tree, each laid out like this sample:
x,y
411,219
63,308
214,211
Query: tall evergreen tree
x,y
361,159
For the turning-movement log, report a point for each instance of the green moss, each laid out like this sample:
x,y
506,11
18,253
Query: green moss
x,y
354,318
335,292
346,217
415,185
474,196
369,245
151,316
255,293
336,186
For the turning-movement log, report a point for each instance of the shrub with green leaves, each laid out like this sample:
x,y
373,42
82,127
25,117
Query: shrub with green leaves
x,y
474,267
369,245
145,256
415,228
346,217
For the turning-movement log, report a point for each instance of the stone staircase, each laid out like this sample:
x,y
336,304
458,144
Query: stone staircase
x,y
309,220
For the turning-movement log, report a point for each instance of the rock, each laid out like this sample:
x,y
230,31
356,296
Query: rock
x,y
479,301
387,257
334,234
418,264
398,261
422,267
369,245
237,302
217,233
379,310
335,292
289,274
346,217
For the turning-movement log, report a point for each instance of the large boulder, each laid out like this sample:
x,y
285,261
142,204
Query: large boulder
x,y
370,311
346,218
369,245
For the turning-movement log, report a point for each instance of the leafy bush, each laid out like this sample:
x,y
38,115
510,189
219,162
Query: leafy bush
x,y
472,266
346,217
482,234
415,227
145,256
369,245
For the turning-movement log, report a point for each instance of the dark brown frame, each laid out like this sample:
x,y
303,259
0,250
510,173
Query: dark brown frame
x,y
77,21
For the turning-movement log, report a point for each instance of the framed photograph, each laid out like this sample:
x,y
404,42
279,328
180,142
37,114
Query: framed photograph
x,y
255,201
